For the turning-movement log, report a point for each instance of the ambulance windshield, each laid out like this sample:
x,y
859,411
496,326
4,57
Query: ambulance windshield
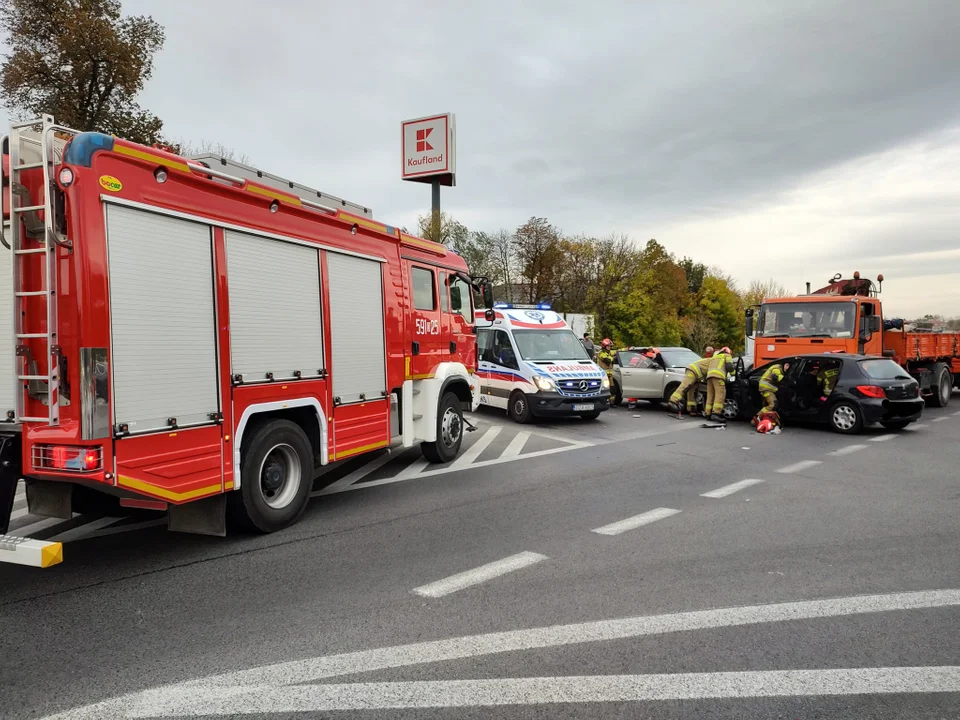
x,y
554,345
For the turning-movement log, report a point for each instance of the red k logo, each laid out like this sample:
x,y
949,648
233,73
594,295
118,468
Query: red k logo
x,y
422,144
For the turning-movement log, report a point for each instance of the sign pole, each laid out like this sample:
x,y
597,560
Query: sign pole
x,y
435,210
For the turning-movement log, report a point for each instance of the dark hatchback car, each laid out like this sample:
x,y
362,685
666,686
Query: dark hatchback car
x,y
868,390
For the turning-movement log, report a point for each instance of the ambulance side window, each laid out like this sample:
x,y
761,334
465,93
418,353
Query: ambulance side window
x,y
423,296
503,352
485,345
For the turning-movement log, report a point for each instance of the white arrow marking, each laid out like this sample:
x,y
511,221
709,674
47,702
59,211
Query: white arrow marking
x,y
313,669
257,700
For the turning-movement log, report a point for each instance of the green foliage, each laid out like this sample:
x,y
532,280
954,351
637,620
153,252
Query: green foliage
x,y
82,62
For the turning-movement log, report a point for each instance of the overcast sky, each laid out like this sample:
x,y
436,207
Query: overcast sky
x,y
790,140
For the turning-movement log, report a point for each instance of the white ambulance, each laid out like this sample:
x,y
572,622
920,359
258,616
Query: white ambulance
x,y
531,364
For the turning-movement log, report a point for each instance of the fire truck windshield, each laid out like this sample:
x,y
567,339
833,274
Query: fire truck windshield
x,y
805,320
549,345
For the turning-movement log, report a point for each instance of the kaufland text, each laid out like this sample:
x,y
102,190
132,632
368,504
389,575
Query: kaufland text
x,y
425,160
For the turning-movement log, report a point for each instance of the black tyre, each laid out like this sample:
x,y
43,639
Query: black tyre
x,y
846,418
731,409
896,424
617,395
519,407
449,431
942,386
591,415
276,472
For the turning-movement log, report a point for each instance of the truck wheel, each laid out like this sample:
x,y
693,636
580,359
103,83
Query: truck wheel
x,y
942,385
449,432
519,407
276,472
846,418
617,395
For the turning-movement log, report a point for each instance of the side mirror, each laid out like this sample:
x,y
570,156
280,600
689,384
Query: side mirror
x,y
487,292
489,315
456,303
874,323
749,321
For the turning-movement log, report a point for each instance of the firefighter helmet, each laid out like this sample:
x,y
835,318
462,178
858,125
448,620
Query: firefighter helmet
x,y
607,342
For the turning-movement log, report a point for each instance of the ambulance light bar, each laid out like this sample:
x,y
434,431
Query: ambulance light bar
x,y
512,306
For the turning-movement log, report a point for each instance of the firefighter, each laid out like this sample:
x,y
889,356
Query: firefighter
x,y
605,359
770,383
687,389
827,378
721,364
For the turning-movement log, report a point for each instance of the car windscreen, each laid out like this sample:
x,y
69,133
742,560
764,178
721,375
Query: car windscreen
x,y
804,320
549,345
883,369
679,358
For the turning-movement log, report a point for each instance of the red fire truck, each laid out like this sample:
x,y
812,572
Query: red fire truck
x,y
198,336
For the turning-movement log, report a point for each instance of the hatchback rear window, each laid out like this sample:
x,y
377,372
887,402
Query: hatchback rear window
x,y
883,370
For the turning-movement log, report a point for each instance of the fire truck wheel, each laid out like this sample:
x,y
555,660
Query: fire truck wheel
x,y
449,431
276,472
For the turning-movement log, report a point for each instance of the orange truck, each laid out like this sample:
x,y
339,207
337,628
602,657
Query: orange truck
x,y
846,316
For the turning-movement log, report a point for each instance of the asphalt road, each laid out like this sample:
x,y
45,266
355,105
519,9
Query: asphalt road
x,y
635,567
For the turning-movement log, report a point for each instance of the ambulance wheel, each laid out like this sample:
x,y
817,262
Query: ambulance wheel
x,y
519,407
449,432
276,472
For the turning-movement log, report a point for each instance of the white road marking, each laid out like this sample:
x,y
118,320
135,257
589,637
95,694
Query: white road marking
x,y
915,426
516,445
183,698
17,514
848,450
478,575
956,413
634,522
474,451
940,419
565,690
884,438
356,475
411,471
800,466
81,531
730,489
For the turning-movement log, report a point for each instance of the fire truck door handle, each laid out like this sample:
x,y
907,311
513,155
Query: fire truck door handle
x,y
415,350
453,348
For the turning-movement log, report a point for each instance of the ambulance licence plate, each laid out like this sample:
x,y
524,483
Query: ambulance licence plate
x,y
583,408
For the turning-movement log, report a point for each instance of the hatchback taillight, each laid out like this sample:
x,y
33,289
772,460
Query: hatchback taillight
x,y
67,458
871,391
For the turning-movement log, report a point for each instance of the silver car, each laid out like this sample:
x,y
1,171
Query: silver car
x,y
637,376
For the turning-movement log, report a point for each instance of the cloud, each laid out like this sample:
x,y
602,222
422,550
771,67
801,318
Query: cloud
x,y
776,139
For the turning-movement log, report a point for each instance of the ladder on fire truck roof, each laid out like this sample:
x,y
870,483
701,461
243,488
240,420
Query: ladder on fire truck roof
x,y
28,237
314,197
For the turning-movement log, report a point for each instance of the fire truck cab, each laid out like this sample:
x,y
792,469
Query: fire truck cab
x,y
197,336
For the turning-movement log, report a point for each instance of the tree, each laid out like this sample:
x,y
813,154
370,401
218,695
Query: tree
x,y
205,147
451,231
758,291
81,61
537,247
695,273
720,304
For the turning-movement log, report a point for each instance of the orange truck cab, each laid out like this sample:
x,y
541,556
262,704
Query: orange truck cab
x,y
846,316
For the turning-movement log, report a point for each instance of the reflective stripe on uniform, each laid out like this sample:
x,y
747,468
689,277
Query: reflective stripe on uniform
x,y
771,378
718,366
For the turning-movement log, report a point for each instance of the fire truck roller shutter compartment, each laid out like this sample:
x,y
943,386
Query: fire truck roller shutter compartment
x,y
356,327
276,325
6,333
162,320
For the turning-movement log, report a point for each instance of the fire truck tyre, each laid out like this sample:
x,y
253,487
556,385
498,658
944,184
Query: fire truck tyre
x,y
617,395
276,473
449,432
941,386
846,418
519,407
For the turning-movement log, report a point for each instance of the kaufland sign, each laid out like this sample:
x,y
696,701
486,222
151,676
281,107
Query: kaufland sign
x,y
429,149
